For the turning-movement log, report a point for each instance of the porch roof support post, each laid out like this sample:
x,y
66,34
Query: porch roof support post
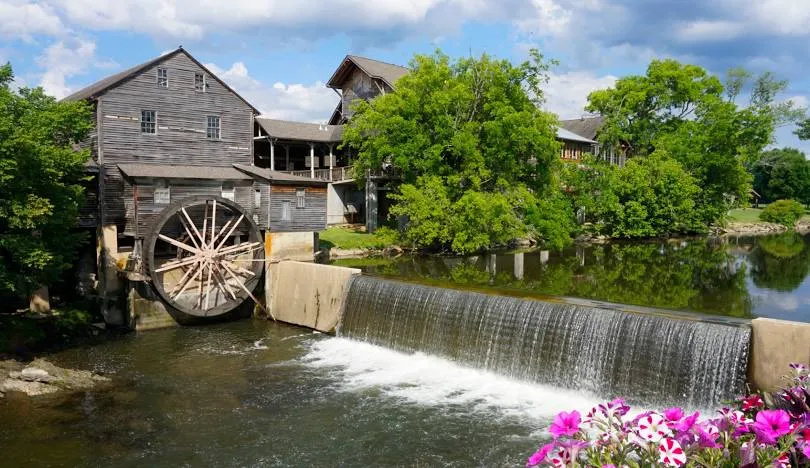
x,y
331,160
312,160
272,154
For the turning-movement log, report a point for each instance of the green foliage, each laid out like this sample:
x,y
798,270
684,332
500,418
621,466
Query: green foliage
x,y
648,197
345,238
785,212
780,263
472,146
552,219
687,114
803,132
40,185
783,174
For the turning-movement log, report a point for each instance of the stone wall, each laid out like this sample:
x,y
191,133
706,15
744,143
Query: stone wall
x,y
308,294
296,246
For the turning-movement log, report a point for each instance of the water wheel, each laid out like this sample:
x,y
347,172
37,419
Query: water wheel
x,y
204,255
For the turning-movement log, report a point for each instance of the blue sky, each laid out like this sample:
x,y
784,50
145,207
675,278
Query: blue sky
x,y
278,53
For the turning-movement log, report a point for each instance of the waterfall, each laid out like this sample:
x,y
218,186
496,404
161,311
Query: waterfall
x,y
647,358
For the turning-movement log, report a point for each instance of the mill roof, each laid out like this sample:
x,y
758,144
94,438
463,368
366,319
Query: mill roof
x,y
587,127
300,131
388,72
277,177
161,171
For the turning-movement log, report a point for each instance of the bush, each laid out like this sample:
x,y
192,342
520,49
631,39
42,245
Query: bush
x,y
754,431
785,212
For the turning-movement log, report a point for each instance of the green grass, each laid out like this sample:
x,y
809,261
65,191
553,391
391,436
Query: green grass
x,y
348,238
751,215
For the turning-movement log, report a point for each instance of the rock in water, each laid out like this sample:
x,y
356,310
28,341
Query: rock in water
x,y
33,374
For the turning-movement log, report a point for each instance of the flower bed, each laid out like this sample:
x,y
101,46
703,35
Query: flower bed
x,y
756,431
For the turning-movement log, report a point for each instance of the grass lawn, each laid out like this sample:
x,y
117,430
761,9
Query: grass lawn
x,y
751,215
350,238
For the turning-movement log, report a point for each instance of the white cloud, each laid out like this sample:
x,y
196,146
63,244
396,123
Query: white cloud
x,y
702,31
783,17
548,18
299,102
64,59
567,93
22,19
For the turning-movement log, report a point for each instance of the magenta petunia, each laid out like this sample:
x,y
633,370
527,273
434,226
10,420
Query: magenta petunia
x,y
565,424
752,402
686,424
770,425
673,415
540,455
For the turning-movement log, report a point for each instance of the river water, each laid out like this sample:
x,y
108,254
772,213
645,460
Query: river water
x,y
734,277
253,393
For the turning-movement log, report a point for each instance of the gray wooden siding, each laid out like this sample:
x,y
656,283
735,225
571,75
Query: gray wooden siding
x,y
262,210
148,210
357,86
181,124
310,218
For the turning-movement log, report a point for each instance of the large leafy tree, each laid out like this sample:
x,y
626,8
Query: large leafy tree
x,y
473,147
783,174
40,185
684,112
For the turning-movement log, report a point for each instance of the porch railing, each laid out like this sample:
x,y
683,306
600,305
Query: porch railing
x,y
335,174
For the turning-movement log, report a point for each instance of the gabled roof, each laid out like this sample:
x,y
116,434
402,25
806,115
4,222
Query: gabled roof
x,y
277,177
564,134
100,87
587,127
388,72
165,171
300,131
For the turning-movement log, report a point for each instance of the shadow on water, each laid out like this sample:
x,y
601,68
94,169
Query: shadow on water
x,y
735,277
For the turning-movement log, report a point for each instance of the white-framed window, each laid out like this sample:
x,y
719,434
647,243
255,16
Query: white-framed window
x,y
148,121
212,128
228,191
286,211
162,193
300,198
199,82
163,77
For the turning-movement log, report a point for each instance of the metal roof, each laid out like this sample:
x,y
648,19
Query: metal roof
x,y
564,134
301,131
98,88
387,72
164,171
587,127
278,177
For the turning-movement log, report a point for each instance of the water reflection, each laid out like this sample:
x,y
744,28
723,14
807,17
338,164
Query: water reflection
x,y
738,277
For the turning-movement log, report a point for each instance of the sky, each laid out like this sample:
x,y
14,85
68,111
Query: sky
x,y
279,53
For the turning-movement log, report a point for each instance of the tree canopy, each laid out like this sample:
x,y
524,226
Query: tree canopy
x,y
682,112
40,184
473,147
783,174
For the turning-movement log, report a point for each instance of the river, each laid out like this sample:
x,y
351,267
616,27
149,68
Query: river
x,y
254,393
735,277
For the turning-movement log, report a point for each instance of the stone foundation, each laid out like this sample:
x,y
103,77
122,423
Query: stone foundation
x,y
774,345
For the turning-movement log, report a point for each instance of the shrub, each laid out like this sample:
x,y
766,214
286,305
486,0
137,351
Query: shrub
x,y
785,212
749,433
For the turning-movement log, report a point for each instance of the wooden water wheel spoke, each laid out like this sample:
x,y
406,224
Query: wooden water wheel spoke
x,y
196,266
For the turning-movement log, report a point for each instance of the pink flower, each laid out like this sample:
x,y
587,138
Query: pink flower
x,y
618,407
686,424
806,449
671,453
707,435
673,415
653,427
540,455
771,425
752,402
565,424
562,458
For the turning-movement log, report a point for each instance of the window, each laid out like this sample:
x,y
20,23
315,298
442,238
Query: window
x,y
212,128
199,82
148,121
300,198
257,198
162,193
163,77
286,212
228,191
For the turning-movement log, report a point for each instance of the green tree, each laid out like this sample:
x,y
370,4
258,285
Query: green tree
x,y
684,112
472,145
40,185
783,174
803,132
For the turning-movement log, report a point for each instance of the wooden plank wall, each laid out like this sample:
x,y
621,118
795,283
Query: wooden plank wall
x,y
357,86
311,218
148,210
181,129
